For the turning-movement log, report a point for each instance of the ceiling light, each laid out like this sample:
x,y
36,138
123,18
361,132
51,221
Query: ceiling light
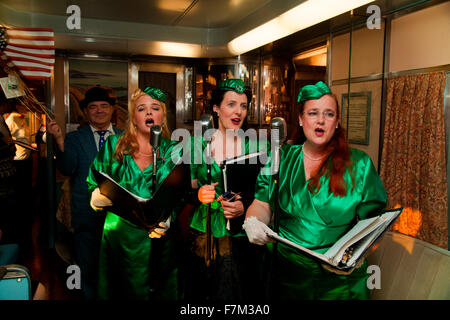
x,y
303,16
177,49
311,53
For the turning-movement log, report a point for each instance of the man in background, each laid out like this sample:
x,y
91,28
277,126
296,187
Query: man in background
x,y
74,156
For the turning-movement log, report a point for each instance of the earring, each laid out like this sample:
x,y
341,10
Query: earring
x,y
337,126
299,123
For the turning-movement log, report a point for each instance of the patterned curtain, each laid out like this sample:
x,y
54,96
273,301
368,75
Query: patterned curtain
x,y
413,165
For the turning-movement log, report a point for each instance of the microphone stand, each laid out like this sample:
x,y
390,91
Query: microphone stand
x,y
276,214
208,210
207,123
155,153
276,223
209,256
155,245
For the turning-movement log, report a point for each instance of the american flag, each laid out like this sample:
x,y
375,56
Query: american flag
x,y
31,50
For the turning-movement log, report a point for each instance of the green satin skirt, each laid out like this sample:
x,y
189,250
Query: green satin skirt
x,y
301,278
134,267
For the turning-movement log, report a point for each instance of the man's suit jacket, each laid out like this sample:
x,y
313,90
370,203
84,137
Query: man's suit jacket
x,y
79,152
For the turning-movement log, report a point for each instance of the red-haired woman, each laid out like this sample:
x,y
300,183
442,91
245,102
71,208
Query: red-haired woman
x,y
324,187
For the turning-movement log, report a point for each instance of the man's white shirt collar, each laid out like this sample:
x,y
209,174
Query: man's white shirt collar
x,y
110,128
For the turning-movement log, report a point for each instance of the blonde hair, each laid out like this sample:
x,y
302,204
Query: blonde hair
x,y
128,144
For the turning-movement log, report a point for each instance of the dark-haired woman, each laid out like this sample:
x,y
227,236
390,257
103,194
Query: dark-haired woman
x,y
324,187
232,274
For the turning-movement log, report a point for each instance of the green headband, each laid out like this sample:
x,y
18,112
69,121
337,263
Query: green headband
x,y
313,91
156,93
236,85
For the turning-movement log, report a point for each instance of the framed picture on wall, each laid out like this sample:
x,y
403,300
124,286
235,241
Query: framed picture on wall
x,y
357,114
111,75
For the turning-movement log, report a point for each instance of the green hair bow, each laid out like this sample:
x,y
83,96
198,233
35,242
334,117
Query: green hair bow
x,y
156,94
236,85
313,91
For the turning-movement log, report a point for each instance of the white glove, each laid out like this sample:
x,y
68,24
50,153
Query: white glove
x,y
158,232
99,201
257,231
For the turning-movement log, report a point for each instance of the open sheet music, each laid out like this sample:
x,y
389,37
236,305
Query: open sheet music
x,y
146,213
352,246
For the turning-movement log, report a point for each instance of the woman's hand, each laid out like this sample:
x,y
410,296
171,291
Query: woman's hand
x,y
207,193
99,201
232,209
159,232
257,231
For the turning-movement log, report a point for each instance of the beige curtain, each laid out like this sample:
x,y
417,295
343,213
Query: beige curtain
x,y
413,165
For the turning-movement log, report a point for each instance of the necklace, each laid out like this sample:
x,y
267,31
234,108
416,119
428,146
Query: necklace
x,y
145,154
313,159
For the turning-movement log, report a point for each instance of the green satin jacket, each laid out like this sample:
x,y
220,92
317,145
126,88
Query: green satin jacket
x,y
320,219
126,250
199,172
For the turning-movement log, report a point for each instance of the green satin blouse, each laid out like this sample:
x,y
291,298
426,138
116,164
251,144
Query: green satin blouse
x,y
199,172
320,219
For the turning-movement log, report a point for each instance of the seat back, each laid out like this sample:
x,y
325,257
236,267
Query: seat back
x,y
15,283
411,269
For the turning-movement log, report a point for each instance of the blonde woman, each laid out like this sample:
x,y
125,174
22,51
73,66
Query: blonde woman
x,y
128,267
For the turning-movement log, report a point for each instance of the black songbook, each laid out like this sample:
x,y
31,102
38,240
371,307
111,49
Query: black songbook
x,y
146,213
352,246
239,176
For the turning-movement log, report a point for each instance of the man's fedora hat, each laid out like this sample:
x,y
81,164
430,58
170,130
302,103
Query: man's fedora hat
x,y
96,94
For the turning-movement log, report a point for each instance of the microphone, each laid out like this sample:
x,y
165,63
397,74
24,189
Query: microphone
x,y
155,137
278,130
207,123
155,142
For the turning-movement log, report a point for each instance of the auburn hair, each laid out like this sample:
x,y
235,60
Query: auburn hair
x,y
338,161
128,144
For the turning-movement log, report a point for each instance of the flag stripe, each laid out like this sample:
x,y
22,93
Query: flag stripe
x,y
24,49
30,60
17,29
31,37
25,64
31,42
45,57
36,73
18,34
31,69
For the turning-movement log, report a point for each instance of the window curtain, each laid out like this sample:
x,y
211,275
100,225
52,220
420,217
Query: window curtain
x,y
413,164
